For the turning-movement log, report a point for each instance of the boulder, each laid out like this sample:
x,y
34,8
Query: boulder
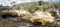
x,y
46,16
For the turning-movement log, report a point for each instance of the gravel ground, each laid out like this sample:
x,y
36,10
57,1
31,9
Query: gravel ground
x,y
5,23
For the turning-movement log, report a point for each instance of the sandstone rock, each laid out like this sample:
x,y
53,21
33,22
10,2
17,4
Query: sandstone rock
x,y
46,16
42,17
14,12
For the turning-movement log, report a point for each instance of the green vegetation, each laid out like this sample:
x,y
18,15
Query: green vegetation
x,y
36,6
33,6
4,8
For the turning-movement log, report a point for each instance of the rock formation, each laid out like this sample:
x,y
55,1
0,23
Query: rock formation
x,y
42,17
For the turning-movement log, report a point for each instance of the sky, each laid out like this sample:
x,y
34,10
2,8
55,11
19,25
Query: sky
x,y
8,2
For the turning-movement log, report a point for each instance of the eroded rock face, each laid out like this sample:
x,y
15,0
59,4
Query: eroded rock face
x,y
42,17
15,12
46,16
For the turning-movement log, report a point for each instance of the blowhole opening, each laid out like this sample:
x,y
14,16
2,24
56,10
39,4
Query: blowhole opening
x,y
7,15
38,23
